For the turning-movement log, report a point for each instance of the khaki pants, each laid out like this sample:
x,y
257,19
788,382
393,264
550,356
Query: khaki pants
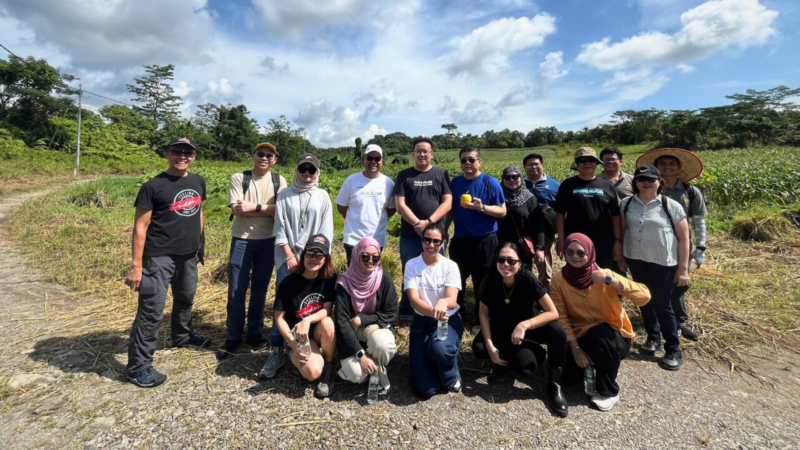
x,y
380,347
545,269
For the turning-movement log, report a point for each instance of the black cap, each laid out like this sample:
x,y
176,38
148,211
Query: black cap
x,y
321,242
308,158
647,171
181,141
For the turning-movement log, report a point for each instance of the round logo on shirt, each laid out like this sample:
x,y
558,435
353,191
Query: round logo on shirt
x,y
311,304
187,203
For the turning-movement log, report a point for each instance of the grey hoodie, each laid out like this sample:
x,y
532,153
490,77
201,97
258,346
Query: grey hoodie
x,y
288,230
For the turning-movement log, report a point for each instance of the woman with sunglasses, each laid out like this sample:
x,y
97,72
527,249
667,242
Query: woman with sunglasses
x,y
656,249
523,223
512,326
303,304
366,306
589,308
432,283
302,211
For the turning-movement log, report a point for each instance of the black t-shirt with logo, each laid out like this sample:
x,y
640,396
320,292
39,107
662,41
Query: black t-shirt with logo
x,y
300,297
523,302
175,203
589,206
423,192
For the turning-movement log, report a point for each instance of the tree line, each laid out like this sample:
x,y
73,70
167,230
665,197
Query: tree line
x,y
38,106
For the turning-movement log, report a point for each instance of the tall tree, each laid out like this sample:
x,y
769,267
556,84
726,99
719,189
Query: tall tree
x,y
157,96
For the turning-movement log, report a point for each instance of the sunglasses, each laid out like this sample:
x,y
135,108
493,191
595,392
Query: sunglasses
x,y
468,160
509,261
511,177
646,180
307,169
265,155
572,252
428,240
315,255
181,151
585,160
374,158
365,258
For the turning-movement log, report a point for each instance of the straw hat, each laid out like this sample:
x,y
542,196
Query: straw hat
x,y
691,166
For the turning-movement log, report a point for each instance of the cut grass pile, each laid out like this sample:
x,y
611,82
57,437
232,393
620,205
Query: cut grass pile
x,y
760,226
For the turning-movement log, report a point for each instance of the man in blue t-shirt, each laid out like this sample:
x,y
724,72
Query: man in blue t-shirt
x,y
478,203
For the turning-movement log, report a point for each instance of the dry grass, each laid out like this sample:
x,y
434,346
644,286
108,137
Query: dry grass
x,y
760,226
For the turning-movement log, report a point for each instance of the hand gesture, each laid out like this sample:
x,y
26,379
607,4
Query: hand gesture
x,y
623,265
440,310
599,277
134,278
476,204
355,322
420,226
301,330
494,355
518,334
681,277
291,263
580,358
367,365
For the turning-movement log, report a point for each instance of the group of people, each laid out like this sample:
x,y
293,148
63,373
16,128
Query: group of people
x,y
602,224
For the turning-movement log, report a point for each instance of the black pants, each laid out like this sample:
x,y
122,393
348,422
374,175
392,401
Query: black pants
x,y
607,348
522,357
657,314
678,300
157,273
474,256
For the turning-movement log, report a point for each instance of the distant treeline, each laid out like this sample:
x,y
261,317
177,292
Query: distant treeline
x,y
38,105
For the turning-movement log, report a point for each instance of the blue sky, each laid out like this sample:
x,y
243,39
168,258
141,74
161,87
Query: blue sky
x,y
355,68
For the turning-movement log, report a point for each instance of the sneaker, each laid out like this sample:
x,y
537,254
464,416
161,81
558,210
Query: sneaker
x,y
257,342
276,359
148,378
671,361
196,342
456,387
228,349
687,333
475,330
651,347
325,383
604,403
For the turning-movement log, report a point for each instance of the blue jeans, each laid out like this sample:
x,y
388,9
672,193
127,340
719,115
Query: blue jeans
x,y
434,363
246,254
277,338
409,249
657,314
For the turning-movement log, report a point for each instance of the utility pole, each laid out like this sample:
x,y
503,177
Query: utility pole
x,y
78,154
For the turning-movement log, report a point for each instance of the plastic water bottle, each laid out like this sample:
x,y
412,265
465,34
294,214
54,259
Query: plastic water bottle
x,y
374,386
304,348
441,330
588,377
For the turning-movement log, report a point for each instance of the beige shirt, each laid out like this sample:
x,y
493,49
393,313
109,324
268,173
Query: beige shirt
x,y
261,191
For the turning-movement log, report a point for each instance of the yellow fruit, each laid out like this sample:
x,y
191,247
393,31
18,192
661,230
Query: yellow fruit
x,y
466,198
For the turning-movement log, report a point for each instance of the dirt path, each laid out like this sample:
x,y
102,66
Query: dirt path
x,y
60,389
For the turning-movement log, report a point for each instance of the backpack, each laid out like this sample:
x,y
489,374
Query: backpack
x,y
663,206
247,176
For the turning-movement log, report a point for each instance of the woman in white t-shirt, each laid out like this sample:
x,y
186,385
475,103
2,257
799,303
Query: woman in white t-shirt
x,y
432,283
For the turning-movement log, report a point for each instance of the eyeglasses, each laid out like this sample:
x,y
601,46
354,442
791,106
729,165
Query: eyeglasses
x,y
307,169
181,151
365,258
468,160
315,255
509,261
514,177
573,252
374,158
265,155
435,242
609,161
422,152
585,160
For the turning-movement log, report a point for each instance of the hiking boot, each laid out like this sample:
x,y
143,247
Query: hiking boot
x,y
228,349
497,376
325,383
257,342
687,333
196,342
276,359
604,403
147,378
671,361
650,347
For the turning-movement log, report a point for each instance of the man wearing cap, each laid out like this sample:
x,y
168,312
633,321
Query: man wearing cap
x,y
678,167
589,205
365,201
168,242
251,196
611,158
545,188
302,211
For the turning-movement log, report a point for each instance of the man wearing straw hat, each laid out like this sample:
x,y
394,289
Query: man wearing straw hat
x,y
678,167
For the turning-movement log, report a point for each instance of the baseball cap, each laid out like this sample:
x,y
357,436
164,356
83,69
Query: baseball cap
x,y
266,145
583,152
181,141
647,171
373,148
319,241
308,158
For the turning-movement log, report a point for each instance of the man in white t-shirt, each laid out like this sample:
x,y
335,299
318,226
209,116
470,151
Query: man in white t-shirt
x,y
366,202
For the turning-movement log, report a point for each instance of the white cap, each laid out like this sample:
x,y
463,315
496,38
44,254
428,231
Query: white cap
x,y
373,148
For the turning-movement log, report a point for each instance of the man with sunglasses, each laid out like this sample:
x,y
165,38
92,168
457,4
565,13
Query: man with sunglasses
x,y
611,158
365,201
168,241
251,196
475,240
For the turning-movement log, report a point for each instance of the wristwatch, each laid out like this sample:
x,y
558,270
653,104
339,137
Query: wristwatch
x,y
608,279
258,207
360,354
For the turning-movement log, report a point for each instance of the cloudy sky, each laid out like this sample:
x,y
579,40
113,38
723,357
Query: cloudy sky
x,y
349,68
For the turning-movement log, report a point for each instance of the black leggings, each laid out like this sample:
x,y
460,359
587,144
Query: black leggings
x,y
607,348
522,357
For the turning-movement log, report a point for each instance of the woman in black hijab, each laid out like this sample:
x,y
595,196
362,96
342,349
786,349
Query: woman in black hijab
x,y
523,223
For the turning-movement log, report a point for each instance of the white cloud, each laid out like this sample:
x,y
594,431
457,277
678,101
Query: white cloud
x,y
448,104
271,66
708,28
486,50
182,89
516,96
475,112
344,125
313,112
295,20
636,85
221,88
550,70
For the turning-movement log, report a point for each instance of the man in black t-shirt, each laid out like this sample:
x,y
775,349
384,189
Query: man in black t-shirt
x,y
422,195
589,205
168,242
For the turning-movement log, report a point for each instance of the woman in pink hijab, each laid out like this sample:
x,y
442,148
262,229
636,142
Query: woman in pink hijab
x,y
366,306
